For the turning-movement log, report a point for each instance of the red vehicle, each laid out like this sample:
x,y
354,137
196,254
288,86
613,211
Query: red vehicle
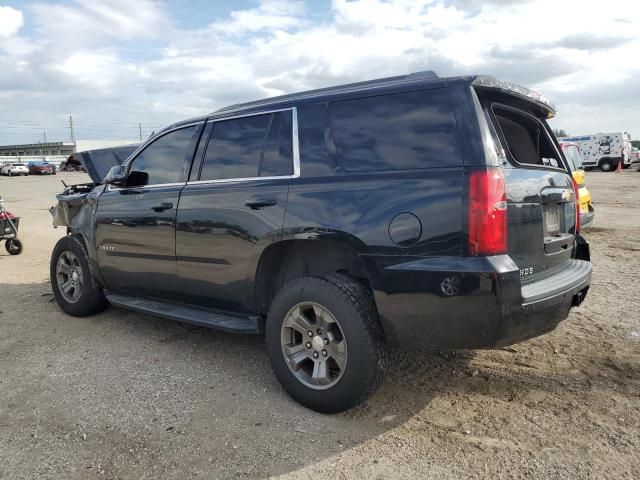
x,y
41,168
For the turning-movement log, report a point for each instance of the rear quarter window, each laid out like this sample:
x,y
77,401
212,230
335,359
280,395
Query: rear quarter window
x,y
401,131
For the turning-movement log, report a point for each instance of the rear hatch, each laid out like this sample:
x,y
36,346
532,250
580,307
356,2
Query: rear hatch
x,y
541,197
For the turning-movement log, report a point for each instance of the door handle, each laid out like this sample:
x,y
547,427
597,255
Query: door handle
x,y
259,203
161,207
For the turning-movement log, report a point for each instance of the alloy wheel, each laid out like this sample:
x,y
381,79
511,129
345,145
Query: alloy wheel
x,y
69,276
313,345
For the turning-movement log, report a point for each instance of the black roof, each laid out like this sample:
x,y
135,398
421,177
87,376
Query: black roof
x,y
401,82
318,94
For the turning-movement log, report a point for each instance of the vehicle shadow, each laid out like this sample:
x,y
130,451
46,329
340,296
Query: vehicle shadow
x,y
160,395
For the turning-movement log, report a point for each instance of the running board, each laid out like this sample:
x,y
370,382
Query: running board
x,y
187,314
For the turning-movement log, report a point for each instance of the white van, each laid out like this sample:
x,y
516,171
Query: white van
x,y
603,150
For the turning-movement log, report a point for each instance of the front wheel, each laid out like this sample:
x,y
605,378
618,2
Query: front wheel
x,y
13,246
74,287
325,343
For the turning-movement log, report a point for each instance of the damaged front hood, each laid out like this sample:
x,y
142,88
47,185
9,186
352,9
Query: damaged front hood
x,y
98,162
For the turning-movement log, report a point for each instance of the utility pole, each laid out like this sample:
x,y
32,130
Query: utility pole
x,y
73,140
140,130
45,137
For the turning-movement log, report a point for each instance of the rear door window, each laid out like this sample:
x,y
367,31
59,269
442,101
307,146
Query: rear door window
x,y
408,130
249,147
277,158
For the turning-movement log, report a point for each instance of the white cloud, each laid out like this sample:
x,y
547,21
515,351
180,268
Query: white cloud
x,y
94,70
106,60
11,21
89,22
269,15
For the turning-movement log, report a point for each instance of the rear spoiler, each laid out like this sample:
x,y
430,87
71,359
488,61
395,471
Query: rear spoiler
x,y
490,83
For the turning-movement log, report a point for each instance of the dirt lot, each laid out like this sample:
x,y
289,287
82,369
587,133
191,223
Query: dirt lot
x,y
123,395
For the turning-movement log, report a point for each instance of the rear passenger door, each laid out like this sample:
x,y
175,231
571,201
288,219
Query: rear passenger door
x,y
233,207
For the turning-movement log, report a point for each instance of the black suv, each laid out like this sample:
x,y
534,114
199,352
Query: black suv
x,y
416,210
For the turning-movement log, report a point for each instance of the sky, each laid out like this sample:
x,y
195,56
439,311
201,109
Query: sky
x,y
119,67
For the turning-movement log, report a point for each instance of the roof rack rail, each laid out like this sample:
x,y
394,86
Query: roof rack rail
x,y
423,74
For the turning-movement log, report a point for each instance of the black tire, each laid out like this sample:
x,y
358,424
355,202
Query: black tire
x,y
13,246
353,307
606,166
91,299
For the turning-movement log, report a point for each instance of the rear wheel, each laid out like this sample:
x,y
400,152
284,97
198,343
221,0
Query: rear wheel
x,y
606,165
74,287
325,342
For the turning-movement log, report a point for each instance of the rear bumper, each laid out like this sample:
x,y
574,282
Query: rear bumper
x,y
488,307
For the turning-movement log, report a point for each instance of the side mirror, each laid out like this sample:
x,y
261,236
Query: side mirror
x,y
117,175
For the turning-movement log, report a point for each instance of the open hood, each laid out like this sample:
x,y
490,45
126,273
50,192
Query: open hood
x,y
98,162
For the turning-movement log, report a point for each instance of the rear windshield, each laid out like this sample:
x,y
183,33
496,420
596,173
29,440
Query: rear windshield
x,y
408,130
525,138
573,157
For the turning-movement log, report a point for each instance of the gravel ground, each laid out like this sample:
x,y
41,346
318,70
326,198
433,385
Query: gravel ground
x,y
123,395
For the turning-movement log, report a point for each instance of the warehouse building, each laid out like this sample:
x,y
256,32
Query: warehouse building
x,y
53,152
38,149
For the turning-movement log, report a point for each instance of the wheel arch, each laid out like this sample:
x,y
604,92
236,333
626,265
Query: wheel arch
x,y
611,160
292,258
91,252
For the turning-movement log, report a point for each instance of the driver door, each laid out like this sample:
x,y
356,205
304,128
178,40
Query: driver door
x,y
135,224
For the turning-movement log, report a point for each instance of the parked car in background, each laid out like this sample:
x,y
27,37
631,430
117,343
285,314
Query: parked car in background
x,y
13,169
635,154
603,150
41,168
572,153
414,211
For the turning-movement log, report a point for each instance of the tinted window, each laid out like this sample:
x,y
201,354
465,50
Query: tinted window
x,y
166,160
277,158
316,142
235,148
395,132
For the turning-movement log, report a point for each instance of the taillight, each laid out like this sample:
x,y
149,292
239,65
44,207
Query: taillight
x,y
487,212
576,188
